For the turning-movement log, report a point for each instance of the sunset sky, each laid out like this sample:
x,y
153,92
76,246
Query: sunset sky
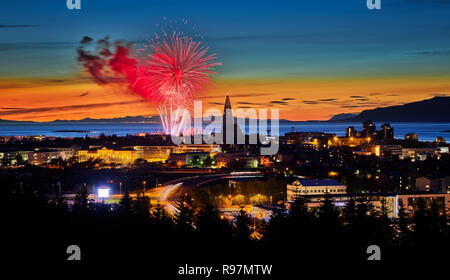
x,y
310,59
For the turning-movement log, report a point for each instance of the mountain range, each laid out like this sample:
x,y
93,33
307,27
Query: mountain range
x,y
436,109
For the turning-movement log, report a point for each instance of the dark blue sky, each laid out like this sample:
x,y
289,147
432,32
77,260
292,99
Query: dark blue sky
x,y
311,58
257,38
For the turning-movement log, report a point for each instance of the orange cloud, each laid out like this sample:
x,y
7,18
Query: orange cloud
x,y
297,99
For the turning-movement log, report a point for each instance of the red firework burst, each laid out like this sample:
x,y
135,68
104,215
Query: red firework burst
x,y
175,71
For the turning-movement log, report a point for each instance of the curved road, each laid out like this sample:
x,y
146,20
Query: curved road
x,y
174,190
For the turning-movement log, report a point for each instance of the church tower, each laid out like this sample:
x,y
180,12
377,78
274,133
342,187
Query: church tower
x,y
229,122
227,104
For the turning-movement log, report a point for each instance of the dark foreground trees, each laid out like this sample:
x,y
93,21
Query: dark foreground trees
x,y
40,229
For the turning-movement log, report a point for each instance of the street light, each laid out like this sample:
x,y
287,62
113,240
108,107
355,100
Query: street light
x,y
144,182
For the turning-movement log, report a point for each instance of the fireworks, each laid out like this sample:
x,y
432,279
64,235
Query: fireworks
x,y
175,71
171,71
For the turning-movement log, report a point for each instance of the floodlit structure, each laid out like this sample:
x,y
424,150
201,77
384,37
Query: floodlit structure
x,y
314,187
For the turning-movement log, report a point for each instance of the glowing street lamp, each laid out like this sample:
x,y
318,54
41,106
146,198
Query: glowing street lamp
x,y
144,182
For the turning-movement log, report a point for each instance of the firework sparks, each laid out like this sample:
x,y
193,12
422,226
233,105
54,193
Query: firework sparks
x,y
170,72
176,70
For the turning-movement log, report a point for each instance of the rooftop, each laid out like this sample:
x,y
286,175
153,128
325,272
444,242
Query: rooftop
x,y
319,182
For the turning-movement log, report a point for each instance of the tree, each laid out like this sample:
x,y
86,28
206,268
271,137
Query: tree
x,y
328,231
184,218
350,211
142,205
81,201
208,161
126,204
161,217
19,159
140,161
403,226
329,215
242,229
212,227
5,160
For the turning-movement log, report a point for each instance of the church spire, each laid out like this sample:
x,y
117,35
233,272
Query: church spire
x,y
227,104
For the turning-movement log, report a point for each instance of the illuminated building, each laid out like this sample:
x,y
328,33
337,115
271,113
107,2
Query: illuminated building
x,y
350,131
392,150
369,128
443,149
348,141
390,202
46,155
10,157
411,137
245,159
419,153
369,150
189,158
124,156
433,183
207,148
439,140
43,157
308,187
387,132
162,153
311,139
230,128
154,153
283,157
410,201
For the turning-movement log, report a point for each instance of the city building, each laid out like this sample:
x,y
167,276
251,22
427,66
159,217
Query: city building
x,y
154,153
410,201
369,150
369,129
189,158
419,153
310,139
308,187
8,157
411,137
386,132
350,131
439,183
349,141
46,155
123,156
392,203
443,149
231,131
242,159
208,148
440,140
391,150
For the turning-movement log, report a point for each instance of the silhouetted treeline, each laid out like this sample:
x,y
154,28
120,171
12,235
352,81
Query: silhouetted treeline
x,y
39,229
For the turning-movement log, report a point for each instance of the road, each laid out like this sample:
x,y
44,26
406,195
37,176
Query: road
x,y
173,191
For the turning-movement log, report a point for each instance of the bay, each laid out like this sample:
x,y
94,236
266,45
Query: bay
x,y
425,131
